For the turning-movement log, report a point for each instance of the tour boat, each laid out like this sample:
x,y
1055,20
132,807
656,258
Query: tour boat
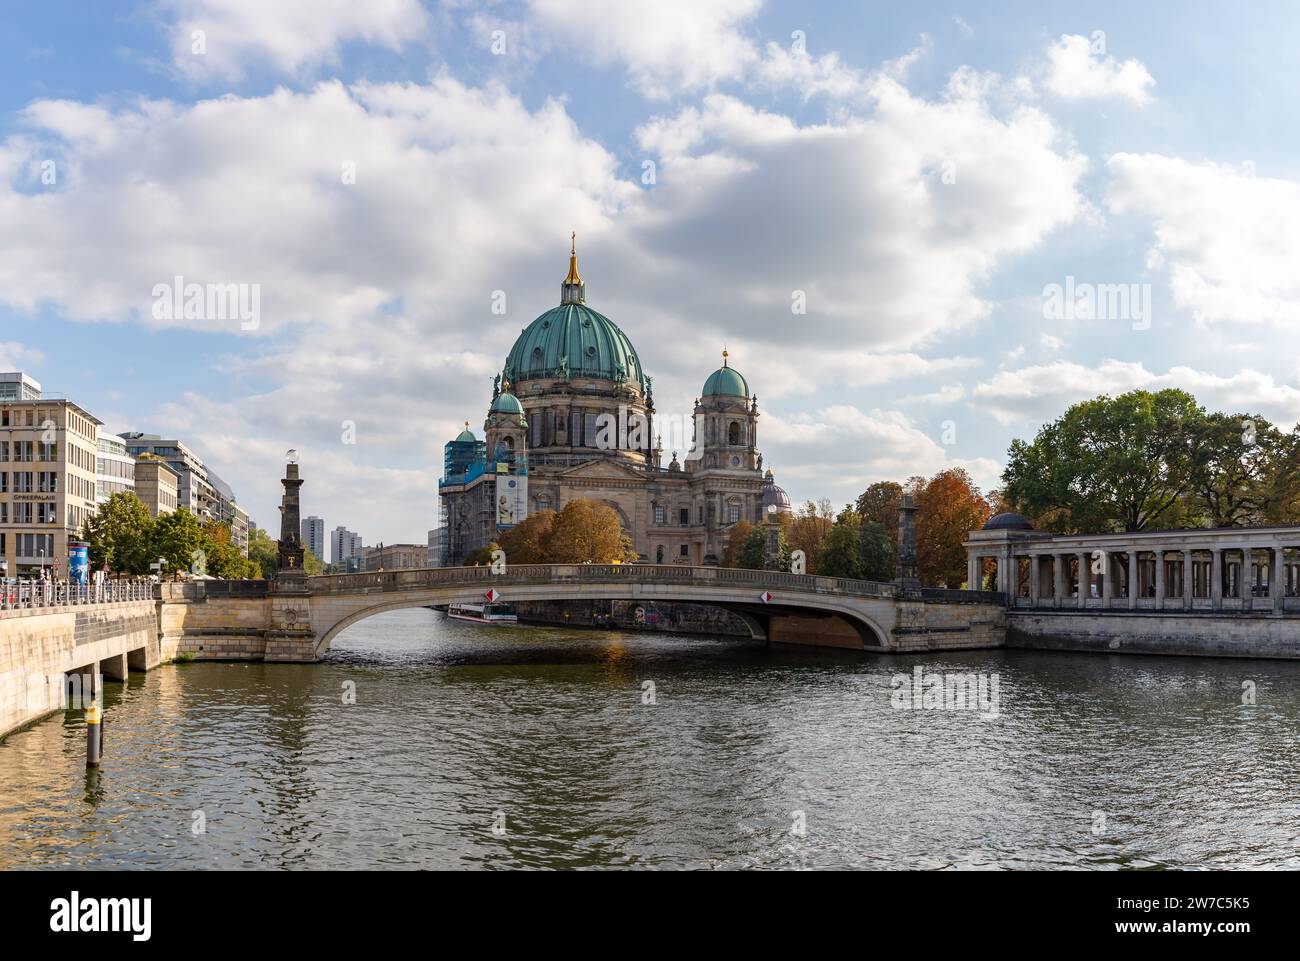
x,y
483,613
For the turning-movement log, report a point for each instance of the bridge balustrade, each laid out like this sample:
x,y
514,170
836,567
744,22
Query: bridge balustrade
x,y
20,594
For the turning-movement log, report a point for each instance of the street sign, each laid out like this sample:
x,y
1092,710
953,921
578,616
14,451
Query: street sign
x,y
767,597
492,594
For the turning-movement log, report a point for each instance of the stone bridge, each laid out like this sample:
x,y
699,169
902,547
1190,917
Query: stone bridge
x,y
297,619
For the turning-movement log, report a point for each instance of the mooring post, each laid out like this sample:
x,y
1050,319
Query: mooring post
x,y
94,723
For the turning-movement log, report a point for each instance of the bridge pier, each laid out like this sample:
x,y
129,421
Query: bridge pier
x,y
114,668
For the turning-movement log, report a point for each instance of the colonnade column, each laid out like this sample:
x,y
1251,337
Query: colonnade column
x,y
1189,580
1035,578
1132,577
974,573
1160,578
1216,577
1107,575
1083,578
1277,583
1058,578
1004,579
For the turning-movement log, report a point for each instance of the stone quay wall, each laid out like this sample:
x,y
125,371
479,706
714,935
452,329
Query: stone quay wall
x,y
1205,634
41,646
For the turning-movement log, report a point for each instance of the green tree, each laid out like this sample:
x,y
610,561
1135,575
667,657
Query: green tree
x,y
263,553
1235,480
120,535
841,554
480,556
178,540
879,504
1122,463
876,551
752,548
311,563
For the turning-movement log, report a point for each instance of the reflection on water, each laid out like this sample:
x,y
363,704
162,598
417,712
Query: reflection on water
x,y
1094,761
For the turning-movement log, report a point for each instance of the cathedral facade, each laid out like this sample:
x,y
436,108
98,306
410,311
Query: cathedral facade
x,y
572,416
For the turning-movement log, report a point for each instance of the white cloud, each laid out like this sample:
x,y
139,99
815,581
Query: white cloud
x,y
840,450
15,356
1230,240
1043,392
1076,72
668,46
947,394
288,35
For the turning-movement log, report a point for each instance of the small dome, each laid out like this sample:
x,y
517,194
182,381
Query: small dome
x,y
466,435
507,403
725,382
1008,521
773,495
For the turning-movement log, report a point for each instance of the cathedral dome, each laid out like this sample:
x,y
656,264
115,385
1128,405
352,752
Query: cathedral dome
x,y
507,403
725,382
466,435
1008,521
573,341
774,496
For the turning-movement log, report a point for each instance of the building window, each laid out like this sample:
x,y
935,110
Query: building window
x,y
659,554
685,550
22,513
684,516
661,517
48,452
733,513
4,482
733,433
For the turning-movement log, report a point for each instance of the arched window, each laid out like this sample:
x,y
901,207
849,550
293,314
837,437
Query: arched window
x,y
659,554
537,358
733,433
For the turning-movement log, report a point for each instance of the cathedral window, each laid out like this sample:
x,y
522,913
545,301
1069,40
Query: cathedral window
x,y
659,554
733,433
684,516
733,513
685,550
661,516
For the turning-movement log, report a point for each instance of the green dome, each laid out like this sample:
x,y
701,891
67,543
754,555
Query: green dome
x,y
507,403
573,341
465,435
725,382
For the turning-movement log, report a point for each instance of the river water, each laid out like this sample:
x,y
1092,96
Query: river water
x,y
479,747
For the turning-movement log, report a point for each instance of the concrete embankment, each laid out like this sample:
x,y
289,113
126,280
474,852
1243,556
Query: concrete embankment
x,y
1239,634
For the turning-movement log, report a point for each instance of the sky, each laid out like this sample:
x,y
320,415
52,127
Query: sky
x,y
892,216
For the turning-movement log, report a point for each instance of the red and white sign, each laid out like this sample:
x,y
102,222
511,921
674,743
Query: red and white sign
x,y
767,597
492,594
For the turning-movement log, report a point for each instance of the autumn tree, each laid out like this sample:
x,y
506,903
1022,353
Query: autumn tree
x,y
807,530
587,531
737,536
949,506
841,553
876,551
879,504
525,543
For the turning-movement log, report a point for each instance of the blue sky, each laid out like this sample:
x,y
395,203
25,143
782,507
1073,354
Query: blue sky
x,y
920,174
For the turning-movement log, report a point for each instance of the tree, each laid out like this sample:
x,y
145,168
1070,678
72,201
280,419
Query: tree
x,y
737,536
1122,463
480,556
841,554
587,531
876,551
949,506
1235,481
879,504
263,553
311,564
120,535
178,537
525,543
808,528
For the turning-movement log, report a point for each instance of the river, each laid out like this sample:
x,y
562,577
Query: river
x,y
424,743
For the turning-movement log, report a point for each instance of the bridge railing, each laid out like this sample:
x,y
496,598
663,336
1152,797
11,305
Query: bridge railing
x,y
416,578
21,594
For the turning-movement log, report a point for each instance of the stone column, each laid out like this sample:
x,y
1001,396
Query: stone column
x,y
1160,578
1084,578
1132,578
1004,577
1189,580
1035,573
1107,576
973,575
1277,583
1058,578
1216,577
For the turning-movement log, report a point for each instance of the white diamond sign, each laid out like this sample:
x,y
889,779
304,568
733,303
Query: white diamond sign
x,y
767,597
492,594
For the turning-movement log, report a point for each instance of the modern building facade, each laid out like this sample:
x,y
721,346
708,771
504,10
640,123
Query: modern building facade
x,y
437,540
156,485
572,415
48,477
1196,569
194,492
394,557
114,468
345,548
313,536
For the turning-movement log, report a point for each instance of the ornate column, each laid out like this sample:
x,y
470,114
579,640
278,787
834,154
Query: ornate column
x,y
1160,578
1058,578
1004,578
1132,578
1189,580
1216,578
1084,579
